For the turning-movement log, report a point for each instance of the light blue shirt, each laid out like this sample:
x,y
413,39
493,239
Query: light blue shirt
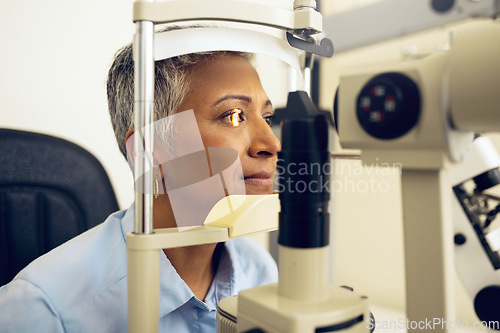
x,y
81,286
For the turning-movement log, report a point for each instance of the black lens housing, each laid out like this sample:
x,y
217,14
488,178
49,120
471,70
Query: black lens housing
x,y
304,175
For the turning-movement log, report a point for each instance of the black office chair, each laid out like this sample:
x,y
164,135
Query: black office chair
x,y
50,191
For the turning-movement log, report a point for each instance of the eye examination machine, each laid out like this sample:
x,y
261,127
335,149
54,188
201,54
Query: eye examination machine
x,y
425,112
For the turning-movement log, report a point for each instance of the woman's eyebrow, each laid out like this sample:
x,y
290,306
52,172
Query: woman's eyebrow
x,y
245,98
238,97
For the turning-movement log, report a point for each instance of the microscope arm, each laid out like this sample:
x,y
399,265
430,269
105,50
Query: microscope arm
x,y
229,11
428,245
439,138
385,20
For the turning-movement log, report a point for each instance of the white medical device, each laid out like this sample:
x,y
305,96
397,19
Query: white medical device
x,y
422,113
303,290
476,229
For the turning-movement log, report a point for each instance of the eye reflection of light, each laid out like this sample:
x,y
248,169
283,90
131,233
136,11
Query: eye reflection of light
x,y
235,117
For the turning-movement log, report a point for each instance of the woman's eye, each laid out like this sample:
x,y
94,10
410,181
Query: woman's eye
x,y
269,120
235,117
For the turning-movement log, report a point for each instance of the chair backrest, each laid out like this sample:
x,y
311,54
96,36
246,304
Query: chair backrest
x,y
50,191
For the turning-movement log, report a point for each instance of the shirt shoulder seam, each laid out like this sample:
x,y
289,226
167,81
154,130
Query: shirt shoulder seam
x,y
54,308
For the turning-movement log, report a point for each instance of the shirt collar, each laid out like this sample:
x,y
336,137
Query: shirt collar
x,y
127,221
224,279
174,292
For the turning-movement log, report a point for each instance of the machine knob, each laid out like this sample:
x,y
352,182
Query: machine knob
x,y
388,106
487,304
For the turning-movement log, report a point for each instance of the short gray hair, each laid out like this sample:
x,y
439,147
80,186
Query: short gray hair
x,y
171,87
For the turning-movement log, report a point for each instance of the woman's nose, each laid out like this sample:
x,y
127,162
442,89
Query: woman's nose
x,y
263,142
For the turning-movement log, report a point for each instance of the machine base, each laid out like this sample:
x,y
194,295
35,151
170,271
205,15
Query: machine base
x,y
262,309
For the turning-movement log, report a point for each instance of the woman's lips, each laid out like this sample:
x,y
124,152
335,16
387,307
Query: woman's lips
x,y
262,178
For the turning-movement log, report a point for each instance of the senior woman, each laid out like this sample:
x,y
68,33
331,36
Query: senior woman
x,y
81,286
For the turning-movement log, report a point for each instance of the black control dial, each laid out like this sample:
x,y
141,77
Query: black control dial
x,y
486,304
388,106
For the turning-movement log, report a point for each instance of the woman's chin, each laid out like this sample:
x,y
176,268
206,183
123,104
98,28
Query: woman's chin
x,y
257,189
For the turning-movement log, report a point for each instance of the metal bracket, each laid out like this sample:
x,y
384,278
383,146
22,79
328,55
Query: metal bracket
x,y
323,49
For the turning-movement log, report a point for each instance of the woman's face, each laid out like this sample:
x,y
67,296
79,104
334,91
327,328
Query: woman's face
x,y
232,110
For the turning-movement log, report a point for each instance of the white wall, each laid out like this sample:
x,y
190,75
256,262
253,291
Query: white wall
x,y
53,63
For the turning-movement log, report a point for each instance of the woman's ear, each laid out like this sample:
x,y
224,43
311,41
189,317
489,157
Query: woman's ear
x,y
129,146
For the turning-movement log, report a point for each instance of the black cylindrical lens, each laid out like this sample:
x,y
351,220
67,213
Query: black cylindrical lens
x,y
304,171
